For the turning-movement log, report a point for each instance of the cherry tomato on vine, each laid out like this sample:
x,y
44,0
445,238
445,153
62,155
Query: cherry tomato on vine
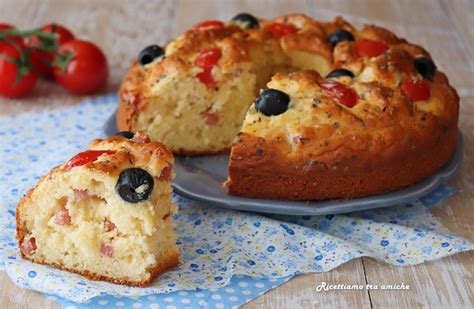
x,y
63,34
16,76
15,39
42,54
4,26
80,67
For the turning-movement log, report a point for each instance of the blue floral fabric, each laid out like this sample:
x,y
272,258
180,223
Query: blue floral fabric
x,y
220,249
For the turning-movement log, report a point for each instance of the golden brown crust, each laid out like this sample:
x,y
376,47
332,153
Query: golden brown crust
x,y
130,97
152,154
340,174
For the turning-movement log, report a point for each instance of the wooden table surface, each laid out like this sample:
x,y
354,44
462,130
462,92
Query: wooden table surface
x,y
122,28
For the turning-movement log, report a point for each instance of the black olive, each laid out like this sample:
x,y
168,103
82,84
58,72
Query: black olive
x,y
134,185
247,19
425,67
340,72
126,134
150,53
339,36
272,102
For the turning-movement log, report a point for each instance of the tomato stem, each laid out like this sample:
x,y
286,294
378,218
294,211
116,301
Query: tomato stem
x,y
47,39
62,60
27,33
22,63
47,43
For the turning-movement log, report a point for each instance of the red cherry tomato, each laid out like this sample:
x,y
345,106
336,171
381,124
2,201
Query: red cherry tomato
x,y
209,23
370,48
81,67
15,39
207,60
4,26
63,34
344,94
86,157
417,90
280,30
42,60
206,77
16,77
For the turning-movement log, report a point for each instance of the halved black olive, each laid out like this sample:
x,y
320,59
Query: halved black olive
x,y
272,102
150,53
134,185
426,67
340,72
339,36
126,134
247,19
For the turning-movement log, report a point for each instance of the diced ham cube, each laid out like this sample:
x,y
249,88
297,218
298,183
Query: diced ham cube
x,y
81,194
166,216
140,137
210,118
136,102
62,217
109,225
107,250
28,246
165,174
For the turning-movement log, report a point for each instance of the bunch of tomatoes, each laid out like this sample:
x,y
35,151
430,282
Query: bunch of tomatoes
x,y
50,52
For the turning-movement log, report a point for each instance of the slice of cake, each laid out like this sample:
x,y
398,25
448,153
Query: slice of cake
x,y
105,214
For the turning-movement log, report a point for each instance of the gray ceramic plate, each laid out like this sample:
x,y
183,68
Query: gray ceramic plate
x,y
201,178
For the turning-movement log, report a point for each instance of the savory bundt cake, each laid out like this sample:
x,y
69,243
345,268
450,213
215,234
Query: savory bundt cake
x,y
368,113
105,214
